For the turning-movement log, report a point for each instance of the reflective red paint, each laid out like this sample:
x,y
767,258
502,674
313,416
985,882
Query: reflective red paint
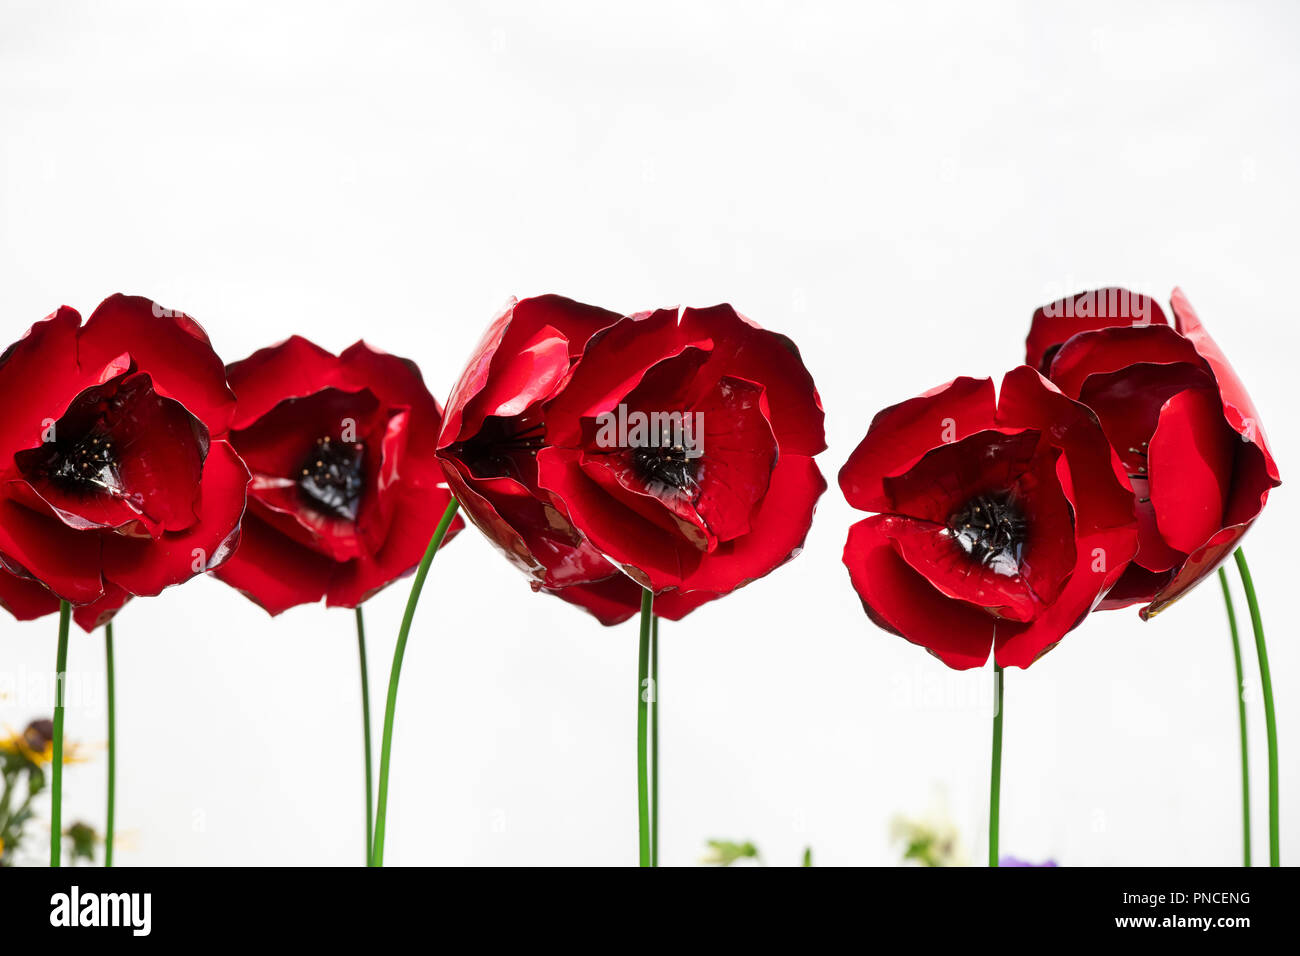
x,y
1180,419
115,475
346,491
1003,520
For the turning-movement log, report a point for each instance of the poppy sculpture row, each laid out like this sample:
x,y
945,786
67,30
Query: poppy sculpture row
x,y
645,463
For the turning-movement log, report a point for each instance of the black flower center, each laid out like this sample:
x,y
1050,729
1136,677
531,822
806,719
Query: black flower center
x,y
991,529
501,447
669,465
331,478
90,463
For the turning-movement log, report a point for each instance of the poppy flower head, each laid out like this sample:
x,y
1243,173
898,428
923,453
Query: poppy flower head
x,y
346,491
118,479
495,428
1181,421
682,448
1001,521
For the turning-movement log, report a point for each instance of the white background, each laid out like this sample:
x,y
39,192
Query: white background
x,y
896,187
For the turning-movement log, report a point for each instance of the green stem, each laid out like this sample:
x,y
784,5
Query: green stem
x,y
643,689
365,727
995,777
1241,716
56,768
654,742
112,746
385,749
1270,718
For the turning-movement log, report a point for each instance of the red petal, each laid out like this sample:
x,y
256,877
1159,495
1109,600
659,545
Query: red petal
x,y
742,349
1199,565
1103,557
39,376
780,528
170,346
901,434
66,561
1055,324
273,571
25,598
144,566
930,550
530,532
524,328
1113,350
900,600
1237,406
650,554
1192,455
91,616
294,368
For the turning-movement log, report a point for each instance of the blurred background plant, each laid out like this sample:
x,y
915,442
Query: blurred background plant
x,y
24,755
932,840
727,852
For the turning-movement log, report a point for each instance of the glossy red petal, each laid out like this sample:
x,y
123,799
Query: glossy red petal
x,y
1136,585
91,616
1053,325
1199,565
526,337
656,557
39,376
170,346
947,476
900,600
613,364
273,571
1103,557
66,561
780,528
742,349
25,598
1237,406
1113,350
144,567
294,368
398,383
901,434
528,530
932,552
1192,456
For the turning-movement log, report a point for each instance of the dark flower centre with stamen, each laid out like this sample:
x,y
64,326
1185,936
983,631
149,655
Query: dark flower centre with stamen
x,y
498,447
991,529
332,478
90,463
669,465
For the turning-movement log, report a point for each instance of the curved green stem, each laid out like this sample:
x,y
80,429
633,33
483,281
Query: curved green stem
x,y
365,727
1241,716
112,745
1270,718
56,767
381,810
995,777
643,690
654,742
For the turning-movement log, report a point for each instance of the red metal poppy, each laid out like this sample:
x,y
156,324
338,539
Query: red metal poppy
x,y
115,477
346,491
1002,521
1190,438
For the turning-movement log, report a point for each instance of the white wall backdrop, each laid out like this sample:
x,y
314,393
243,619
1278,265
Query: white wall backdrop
x,y
896,187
